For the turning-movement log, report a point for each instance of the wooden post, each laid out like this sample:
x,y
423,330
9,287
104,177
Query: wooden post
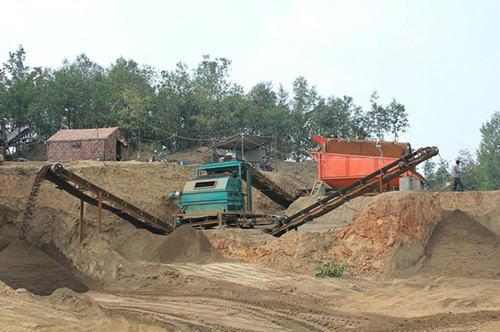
x,y
82,221
242,147
99,210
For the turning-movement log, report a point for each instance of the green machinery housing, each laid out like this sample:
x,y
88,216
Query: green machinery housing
x,y
218,187
218,194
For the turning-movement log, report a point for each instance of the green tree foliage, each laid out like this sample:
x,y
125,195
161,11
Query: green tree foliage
x,y
481,173
183,107
437,175
488,154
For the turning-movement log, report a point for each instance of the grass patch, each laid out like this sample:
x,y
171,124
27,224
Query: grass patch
x,y
331,269
21,170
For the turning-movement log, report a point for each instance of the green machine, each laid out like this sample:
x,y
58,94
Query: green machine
x,y
217,194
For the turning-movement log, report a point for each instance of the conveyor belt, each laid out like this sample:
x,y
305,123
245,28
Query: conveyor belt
x,y
86,190
368,183
269,188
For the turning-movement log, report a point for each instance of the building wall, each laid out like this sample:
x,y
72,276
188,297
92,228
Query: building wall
x,y
110,147
77,150
102,149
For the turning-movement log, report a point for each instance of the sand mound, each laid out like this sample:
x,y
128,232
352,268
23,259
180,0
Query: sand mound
x,y
71,301
482,206
24,266
187,245
462,247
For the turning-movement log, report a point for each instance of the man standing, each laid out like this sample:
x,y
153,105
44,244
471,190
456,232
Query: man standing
x,y
456,172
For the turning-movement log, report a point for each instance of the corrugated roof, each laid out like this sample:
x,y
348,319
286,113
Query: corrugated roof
x,y
249,142
65,135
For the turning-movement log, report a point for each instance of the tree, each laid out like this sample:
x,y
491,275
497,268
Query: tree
x,y
130,99
390,119
19,89
304,101
183,107
437,176
470,170
378,117
397,119
176,108
489,154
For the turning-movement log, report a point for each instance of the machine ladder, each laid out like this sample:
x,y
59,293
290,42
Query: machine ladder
x,y
375,180
88,192
316,188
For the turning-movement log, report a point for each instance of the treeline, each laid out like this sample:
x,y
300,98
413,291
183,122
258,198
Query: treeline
x,y
479,172
183,107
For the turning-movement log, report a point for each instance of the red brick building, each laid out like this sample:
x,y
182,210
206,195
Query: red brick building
x,y
87,144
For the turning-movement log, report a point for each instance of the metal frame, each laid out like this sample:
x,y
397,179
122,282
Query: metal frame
x,y
375,180
78,186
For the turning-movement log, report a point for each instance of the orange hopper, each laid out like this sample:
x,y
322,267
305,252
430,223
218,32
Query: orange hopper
x,y
342,162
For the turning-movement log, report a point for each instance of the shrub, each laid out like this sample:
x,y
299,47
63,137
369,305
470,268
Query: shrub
x,y
331,269
22,170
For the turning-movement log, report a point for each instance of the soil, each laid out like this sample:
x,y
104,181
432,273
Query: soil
x,y
415,264
462,247
24,266
187,245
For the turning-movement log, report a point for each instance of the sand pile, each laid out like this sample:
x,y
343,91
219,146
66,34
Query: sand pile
x,y
24,266
337,218
462,247
483,206
187,245
303,173
76,302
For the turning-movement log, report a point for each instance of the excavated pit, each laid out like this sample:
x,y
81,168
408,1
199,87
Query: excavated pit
x,y
25,266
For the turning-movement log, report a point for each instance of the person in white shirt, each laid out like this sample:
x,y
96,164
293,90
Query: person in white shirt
x,y
456,172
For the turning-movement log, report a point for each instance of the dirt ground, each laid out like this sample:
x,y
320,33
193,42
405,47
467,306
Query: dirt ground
x,y
417,261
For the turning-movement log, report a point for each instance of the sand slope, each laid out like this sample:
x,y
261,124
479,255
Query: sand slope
x,y
462,247
24,266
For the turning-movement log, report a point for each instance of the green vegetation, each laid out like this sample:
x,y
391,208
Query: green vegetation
x,y
183,107
480,173
22,170
331,269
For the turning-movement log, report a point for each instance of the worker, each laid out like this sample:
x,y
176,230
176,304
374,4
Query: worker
x,y
456,172
263,163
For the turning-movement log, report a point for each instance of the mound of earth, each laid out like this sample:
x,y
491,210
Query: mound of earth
x,y
462,247
339,217
483,206
24,266
187,245
72,301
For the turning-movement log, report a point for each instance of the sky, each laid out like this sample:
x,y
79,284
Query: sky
x,y
439,58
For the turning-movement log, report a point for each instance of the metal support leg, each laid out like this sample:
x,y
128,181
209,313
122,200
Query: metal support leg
x,y
219,219
381,183
99,210
82,221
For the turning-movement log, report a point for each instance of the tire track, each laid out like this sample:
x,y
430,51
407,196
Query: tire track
x,y
256,308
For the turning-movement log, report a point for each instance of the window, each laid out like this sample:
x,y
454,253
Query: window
x,y
204,185
75,145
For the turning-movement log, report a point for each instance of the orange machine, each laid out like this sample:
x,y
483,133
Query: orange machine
x,y
342,162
